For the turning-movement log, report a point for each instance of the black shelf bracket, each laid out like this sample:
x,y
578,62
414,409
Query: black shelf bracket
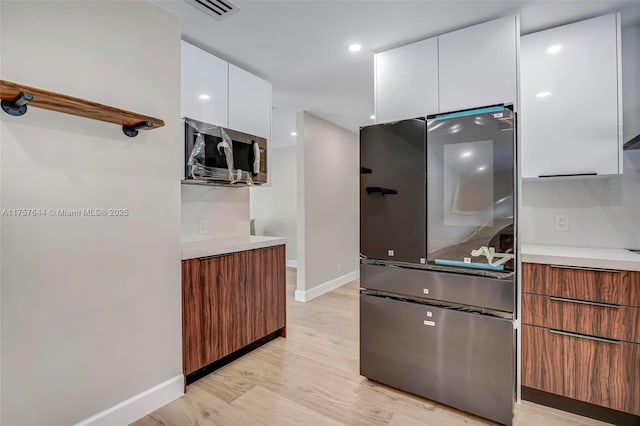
x,y
132,131
381,191
18,106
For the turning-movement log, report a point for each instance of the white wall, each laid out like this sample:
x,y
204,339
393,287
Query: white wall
x,y
328,205
91,309
603,212
274,208
226,211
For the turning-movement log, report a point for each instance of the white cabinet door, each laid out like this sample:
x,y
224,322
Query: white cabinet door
x,y
478,65
249,103
570,99
406,81
204,86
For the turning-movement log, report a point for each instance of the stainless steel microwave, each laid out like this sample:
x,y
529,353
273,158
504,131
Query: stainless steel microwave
x,y
220,156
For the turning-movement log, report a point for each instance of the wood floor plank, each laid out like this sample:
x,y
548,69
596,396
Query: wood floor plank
x,y
275,409
312,378
197,408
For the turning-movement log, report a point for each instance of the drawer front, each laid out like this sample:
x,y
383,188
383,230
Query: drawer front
x,y
463,360
456,288
592,318
619,287
598,372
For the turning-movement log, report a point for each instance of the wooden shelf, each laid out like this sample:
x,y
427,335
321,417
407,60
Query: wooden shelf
x,y
10,91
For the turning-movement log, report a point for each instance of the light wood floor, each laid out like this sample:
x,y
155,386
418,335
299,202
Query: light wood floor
x,y
311,378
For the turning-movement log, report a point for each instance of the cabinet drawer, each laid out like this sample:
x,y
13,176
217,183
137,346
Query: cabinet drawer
x,y
592,318
595,371
618,287
456,288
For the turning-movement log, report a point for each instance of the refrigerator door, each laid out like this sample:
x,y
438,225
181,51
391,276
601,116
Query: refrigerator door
x,y
463,360
470,197
392,191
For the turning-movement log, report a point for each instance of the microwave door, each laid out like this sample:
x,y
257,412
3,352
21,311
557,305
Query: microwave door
x,y
392,191
217,155
470,194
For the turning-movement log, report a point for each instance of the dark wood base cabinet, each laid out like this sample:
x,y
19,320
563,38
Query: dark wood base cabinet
x,y
595,371
229,302
581,335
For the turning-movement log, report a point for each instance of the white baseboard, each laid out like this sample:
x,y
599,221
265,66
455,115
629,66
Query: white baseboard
x,y
292,264
319,290
139,405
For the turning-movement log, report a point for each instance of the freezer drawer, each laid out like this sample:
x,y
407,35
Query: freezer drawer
x,y
459,359
471,290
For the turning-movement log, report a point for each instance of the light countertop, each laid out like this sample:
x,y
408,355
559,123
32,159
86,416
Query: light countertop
x,y
212,247
605,258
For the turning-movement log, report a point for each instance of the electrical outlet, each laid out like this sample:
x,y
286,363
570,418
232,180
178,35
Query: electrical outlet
x,y
202,226
562,222
339,267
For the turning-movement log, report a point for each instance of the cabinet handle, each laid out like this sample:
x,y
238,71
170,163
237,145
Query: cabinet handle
x,y
569,175
583,336
585,268
585,302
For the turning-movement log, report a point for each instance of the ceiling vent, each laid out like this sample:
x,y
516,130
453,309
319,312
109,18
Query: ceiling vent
x,y
219,9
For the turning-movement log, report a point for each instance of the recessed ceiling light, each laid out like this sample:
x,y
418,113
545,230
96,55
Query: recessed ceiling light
x,y
373,117
542,94
355,47
204,96
455,128
552,50
294,134
481,168
466,154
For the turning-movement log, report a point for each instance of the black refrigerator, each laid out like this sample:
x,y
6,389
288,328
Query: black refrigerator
x,y
438,258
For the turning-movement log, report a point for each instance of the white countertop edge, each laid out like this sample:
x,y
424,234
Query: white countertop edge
x,y
193,249
601,258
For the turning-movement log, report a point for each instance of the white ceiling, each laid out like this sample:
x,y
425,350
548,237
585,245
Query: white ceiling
x,y
301,46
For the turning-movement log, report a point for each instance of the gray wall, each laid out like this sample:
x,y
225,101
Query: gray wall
x,y
328,201
274,208
603,212
90,305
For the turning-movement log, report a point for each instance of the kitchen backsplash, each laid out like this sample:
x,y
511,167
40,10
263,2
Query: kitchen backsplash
x,y
603,212
225,210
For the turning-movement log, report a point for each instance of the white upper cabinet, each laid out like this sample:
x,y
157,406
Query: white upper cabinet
x,y
249,103
204,86
478,65
571,100
406,81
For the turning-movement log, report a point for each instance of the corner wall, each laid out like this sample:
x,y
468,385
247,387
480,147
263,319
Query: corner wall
x,y
274,207
91,311
328,206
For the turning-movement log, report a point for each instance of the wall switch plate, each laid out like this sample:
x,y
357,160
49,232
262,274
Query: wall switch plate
x,y
391,253
202,226
562,222
339,267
